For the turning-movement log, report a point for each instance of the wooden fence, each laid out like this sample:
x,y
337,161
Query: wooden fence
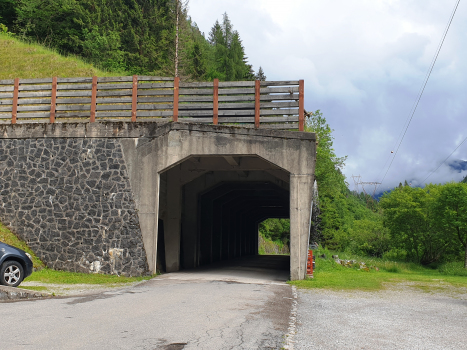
x,y
259,104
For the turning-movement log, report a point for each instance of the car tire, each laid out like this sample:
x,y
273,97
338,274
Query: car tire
x,y
11,273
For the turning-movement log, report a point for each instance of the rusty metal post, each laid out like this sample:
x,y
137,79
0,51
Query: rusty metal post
x,y
134,100
301,105
15,102
53,101
176,91
215,100
257,102
93,99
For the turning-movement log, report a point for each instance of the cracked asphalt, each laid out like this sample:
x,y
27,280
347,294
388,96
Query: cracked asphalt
x,y
244,306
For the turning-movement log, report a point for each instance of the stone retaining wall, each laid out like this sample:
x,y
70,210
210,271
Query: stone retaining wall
x,y
71,201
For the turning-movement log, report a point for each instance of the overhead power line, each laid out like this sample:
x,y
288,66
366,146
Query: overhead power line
x,y
422,88
449,156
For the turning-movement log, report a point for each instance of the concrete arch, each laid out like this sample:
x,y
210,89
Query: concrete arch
x,y
180,154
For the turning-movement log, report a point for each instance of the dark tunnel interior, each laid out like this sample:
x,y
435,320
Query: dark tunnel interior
x,y
220,210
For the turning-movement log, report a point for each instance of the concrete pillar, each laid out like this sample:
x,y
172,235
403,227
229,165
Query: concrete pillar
x,y
190,228
301,187
172,229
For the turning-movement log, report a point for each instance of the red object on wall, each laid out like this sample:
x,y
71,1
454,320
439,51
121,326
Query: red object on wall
x,y
309,264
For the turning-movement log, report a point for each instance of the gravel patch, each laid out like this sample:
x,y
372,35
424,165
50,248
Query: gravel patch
x,y
402,317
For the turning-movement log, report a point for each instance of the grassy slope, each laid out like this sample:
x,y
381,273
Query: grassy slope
x,y
22,60
329,274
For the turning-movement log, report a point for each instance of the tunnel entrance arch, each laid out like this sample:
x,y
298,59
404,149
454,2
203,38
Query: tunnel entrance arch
x,y
163,167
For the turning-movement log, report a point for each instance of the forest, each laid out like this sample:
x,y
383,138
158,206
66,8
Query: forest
x,y
427,226
150,37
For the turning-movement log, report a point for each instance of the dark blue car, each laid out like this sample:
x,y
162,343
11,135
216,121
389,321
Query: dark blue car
x,y
15,265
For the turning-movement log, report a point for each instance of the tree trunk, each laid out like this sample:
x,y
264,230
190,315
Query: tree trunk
x,y
465,262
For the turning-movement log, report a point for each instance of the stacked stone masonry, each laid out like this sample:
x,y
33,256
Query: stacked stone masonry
x,y
71,201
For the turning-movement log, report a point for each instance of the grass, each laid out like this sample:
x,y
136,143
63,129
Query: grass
x,y
8,237
63,277
331,275
45,275
24,60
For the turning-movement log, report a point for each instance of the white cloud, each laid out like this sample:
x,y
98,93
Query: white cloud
x,y
364,62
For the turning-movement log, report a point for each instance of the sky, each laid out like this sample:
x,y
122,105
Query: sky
x,y
364,63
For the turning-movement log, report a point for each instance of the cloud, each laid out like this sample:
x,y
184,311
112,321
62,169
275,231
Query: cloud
x,y
364,63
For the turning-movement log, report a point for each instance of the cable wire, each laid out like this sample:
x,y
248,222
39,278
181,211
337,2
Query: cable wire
x,y
445,159
433,62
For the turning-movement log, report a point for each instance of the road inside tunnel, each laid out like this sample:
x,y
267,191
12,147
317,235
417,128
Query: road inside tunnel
x,y
257,269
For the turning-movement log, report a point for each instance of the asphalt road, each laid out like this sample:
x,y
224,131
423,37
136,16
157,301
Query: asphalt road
x,y
243,307
243,304
401,317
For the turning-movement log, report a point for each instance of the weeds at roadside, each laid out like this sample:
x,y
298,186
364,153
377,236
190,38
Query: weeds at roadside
x,y
331,275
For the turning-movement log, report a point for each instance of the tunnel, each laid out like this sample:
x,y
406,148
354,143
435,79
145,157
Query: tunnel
x,y
211,206
201,190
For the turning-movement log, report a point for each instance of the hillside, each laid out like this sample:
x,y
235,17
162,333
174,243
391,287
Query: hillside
x,y
22,60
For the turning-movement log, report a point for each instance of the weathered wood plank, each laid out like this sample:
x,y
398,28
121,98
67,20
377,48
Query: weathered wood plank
x,y
115,79
72,115
113,108
115,86
7,88
206,91
5,116
73,108
35,94
73,93
154,114
36,81
275,90
226,84
155,106
208,98
278,119
293,97
155,85
279,83
114,100
38,101
206,120
151,78
123,93
279,112
73,100
74,87
6,95
34,108
155,92
7,82
6,109
196,106
237,120
279,104
33,115
197,85
238,91
74,80
35,87
6,102
154,99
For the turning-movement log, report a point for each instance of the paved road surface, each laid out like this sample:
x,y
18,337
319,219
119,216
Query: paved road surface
x,y
244,307
399,318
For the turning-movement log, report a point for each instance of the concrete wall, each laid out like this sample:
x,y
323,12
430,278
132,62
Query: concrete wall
x,y
155,157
